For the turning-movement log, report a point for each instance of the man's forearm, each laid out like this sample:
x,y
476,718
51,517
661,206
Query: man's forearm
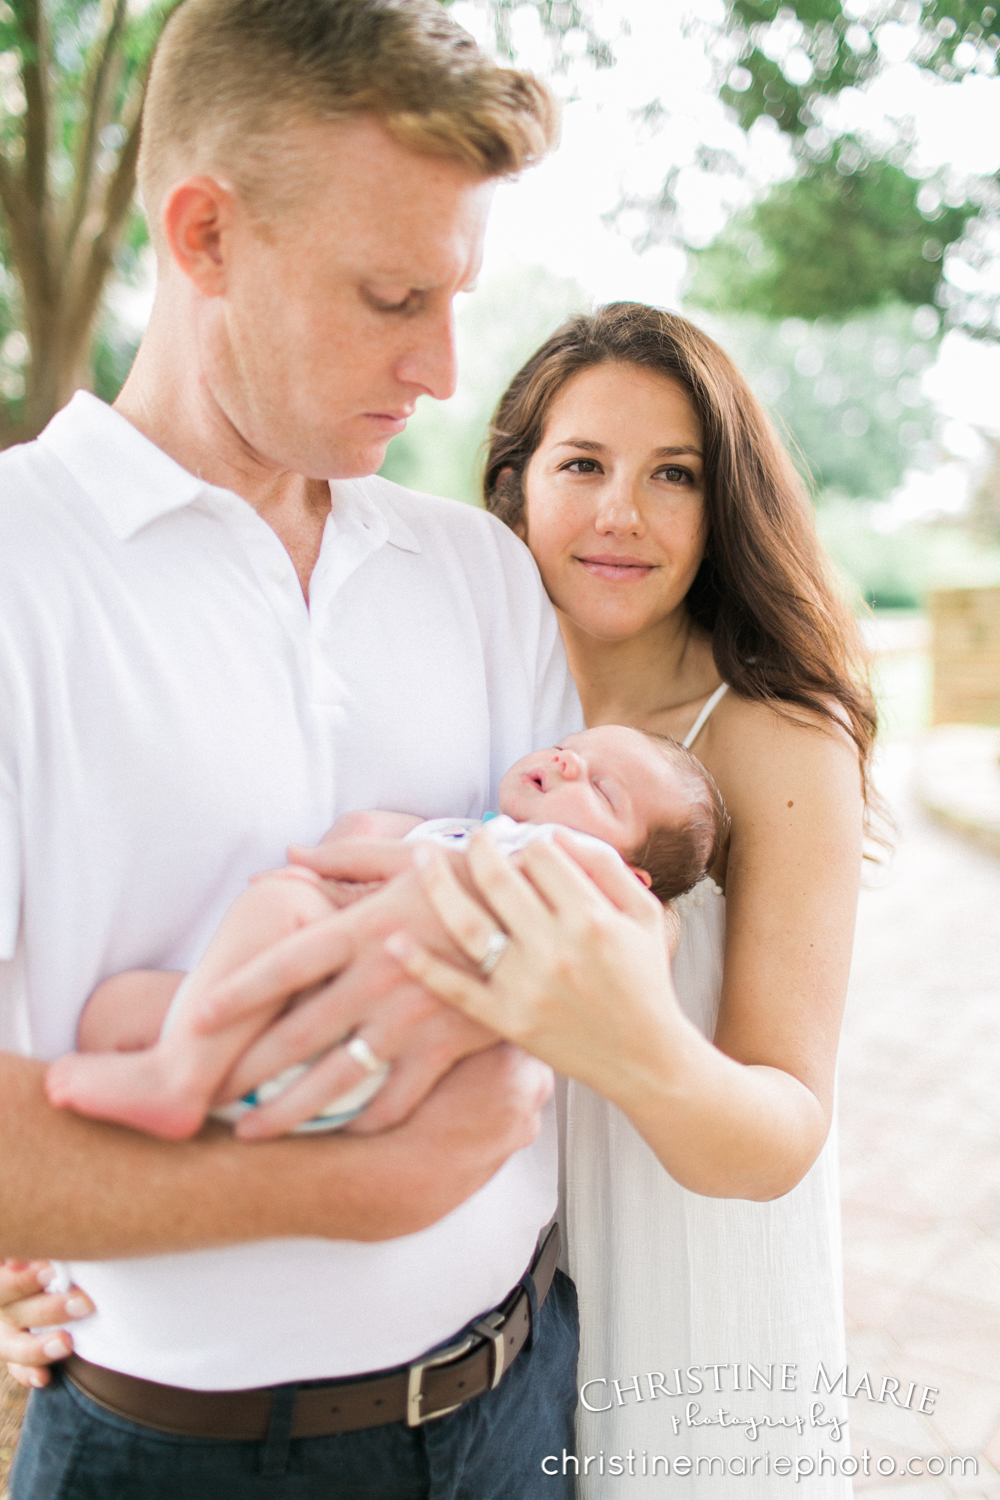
x,y
78,1189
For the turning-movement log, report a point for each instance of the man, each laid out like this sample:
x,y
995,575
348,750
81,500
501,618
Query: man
x,y
216,637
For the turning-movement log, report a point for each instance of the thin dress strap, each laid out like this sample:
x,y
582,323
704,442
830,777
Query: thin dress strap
x,y
699,722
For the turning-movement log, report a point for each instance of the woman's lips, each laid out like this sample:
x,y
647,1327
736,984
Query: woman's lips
x,y
619,569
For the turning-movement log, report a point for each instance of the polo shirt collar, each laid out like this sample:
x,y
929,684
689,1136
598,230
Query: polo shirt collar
x,y
132,482
127,477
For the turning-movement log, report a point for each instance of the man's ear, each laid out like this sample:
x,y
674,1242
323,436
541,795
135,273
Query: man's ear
x,y
642,875
197,215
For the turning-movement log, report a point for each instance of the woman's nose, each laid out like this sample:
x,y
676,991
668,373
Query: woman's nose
x,y
620,513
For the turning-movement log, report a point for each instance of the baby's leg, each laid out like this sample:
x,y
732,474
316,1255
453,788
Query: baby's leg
x,y
167,1089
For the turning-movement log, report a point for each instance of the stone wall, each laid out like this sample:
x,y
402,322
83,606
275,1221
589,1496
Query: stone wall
x,y
966,652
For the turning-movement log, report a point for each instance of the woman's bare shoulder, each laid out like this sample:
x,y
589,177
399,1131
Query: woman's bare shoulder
x,y
755,750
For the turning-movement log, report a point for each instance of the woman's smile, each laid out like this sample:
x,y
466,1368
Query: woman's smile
x,y
617,569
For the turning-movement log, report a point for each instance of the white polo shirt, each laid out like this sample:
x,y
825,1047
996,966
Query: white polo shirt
x,y
172,715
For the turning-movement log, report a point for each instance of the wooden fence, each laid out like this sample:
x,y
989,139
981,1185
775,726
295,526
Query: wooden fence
x,y
966,653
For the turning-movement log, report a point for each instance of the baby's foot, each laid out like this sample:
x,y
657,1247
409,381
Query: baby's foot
x,y
128,1088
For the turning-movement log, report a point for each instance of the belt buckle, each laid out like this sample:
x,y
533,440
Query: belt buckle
x,y
414,1393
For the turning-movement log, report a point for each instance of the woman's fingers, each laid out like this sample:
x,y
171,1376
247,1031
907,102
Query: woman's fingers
x,y
501,883
33,1378
465,921
46,1309
460,989
611,875
28,1313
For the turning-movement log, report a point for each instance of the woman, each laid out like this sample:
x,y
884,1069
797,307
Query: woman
x,y
675,541
677,547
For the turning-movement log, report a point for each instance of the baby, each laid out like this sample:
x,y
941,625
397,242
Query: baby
x,y
643,794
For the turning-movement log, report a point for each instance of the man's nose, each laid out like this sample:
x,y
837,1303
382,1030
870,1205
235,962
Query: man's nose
x,y
620,511
431,363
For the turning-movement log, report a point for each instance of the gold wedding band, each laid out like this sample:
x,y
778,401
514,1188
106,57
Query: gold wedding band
x,y
496,946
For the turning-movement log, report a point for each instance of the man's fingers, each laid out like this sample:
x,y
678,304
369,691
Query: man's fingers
x,y
355,859
293,965
372,988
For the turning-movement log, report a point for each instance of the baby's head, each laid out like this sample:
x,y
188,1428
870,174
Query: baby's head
x,y
644,794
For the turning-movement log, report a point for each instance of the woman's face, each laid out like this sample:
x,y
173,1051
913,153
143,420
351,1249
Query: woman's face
x,y
614,502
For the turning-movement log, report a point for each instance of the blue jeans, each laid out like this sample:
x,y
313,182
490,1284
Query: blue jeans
x,y
491,1449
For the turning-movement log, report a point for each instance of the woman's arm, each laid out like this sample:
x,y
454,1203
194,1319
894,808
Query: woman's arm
x,y
585,983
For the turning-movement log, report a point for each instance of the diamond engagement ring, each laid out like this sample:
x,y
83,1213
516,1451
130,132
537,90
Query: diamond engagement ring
x,y
359,1049
495,948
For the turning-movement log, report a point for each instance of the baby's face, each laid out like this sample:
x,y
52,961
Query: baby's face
x,y
611,782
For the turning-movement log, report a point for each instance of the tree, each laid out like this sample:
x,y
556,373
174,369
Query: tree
x,y
71,87
787,62
784,58
829,244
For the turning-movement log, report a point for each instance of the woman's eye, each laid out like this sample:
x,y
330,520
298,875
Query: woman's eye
x,y
582,466
673,475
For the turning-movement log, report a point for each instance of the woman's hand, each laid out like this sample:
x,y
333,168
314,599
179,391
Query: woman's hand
x,y
584,981
25,1305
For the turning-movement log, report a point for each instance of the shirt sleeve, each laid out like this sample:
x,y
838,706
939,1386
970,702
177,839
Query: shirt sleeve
x,y
557,703
10,866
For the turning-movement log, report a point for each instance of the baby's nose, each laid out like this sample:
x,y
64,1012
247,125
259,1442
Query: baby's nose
x,y
569,764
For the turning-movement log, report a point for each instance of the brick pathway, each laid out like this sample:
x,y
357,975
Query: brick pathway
x,y
920,1121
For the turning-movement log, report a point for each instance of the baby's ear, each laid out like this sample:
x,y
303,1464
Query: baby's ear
x,y
642,875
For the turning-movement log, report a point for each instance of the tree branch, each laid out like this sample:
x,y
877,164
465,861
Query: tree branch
x,y
34,80
91,133
117,202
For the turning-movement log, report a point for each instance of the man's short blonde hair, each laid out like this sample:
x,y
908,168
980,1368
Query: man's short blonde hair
x,y
231,76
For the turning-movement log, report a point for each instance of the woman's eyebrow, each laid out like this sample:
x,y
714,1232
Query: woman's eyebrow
x,y
586,443
677,453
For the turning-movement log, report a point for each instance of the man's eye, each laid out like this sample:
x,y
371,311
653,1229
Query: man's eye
x,y
393,303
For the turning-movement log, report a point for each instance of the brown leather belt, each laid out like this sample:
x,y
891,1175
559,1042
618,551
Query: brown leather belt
x,y
431,1387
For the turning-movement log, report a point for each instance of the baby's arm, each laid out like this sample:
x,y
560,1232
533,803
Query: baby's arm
x,y
371,825
167,1088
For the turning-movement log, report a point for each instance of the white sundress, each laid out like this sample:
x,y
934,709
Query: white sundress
x,y
678,1290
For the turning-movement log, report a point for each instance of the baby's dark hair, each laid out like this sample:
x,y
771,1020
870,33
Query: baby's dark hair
x,y
676,855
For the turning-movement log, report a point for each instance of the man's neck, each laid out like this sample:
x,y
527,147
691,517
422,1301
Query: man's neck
x,y
180,417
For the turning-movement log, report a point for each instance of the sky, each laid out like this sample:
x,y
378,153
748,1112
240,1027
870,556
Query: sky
x,y
563,214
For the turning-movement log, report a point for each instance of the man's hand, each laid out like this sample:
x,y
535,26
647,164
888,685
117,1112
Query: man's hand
x,y
370,996
353,867
480,1113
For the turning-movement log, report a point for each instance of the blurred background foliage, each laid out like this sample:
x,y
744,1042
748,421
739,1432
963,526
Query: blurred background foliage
x,y
833,290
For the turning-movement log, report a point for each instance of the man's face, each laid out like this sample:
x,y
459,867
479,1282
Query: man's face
x,y
337,314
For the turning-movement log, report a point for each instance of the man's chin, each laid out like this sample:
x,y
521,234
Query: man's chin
x,y
357,462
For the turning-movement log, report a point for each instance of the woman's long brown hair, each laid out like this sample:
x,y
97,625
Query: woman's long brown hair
x,y
780,632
